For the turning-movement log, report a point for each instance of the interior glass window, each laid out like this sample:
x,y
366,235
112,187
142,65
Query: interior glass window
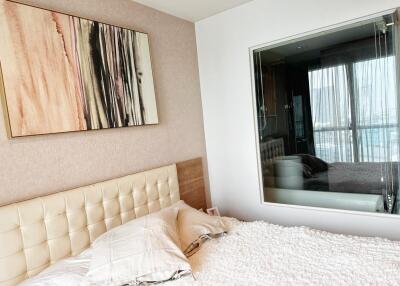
x,y
327,109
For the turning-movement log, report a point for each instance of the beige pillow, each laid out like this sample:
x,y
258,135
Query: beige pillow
x,y
195,227
143,250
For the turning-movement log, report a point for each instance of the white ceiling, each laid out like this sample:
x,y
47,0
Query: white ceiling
x,y
192,10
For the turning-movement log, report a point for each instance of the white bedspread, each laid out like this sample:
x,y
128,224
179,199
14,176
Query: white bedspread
x,y
259,253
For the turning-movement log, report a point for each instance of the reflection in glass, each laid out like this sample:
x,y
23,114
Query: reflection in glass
x,y
328,118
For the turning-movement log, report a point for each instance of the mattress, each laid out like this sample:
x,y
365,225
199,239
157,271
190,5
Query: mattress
x,y
259,253
361,178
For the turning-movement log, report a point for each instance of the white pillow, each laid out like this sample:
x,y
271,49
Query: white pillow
x,y
143,250
195,227
67,272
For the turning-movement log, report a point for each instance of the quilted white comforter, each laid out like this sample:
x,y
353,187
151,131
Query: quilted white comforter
x,y
259,253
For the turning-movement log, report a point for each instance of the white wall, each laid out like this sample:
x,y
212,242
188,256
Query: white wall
x,y
223,49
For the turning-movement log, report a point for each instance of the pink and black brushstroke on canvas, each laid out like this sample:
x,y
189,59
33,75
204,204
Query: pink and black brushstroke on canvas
x,y
63,73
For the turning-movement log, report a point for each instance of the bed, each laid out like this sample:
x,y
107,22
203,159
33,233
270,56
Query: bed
x,y
352,186
36,234
342,177
288,179
54,234
284,256
362,178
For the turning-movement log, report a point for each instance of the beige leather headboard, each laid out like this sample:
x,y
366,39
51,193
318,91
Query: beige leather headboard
x,y
37,233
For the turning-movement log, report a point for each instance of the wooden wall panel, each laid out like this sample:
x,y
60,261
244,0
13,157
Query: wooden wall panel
x,y
191,183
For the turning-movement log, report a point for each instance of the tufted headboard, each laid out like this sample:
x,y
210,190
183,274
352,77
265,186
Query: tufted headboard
x,y
271,149
37,233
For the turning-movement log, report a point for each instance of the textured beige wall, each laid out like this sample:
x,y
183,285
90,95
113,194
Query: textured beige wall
x,y
40,165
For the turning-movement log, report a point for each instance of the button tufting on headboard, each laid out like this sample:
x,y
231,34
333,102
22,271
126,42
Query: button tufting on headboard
x,y
37,233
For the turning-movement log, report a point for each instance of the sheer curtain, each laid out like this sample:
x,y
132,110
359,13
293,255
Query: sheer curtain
x,y
330,107
377,119
376,110
354,104
355,116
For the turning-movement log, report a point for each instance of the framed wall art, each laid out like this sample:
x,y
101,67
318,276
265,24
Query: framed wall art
x,y
61,73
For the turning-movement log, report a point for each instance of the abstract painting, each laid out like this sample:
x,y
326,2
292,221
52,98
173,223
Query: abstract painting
x,y
61,73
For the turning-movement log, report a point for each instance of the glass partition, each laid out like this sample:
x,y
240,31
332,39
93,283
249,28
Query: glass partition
x,y
327,109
